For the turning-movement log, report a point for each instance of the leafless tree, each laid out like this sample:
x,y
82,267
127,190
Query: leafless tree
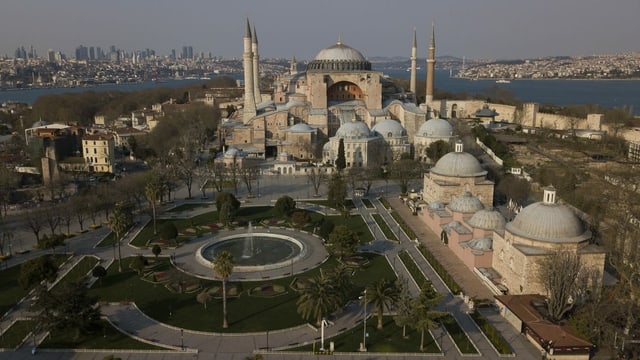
x,y
317,176
249,173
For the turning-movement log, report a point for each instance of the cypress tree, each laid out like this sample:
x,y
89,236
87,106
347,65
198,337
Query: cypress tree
x,y
341,162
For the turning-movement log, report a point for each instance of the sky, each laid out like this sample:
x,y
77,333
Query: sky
x,y
478,29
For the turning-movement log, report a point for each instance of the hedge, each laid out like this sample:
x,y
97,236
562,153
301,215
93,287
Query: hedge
x,y
492,334
444,275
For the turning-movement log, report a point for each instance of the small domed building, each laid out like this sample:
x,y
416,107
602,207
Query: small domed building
x,y
395,138
429,132
454,173
539,230
361,146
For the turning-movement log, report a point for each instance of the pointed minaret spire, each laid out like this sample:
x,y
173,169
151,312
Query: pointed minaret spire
x,y
293,66
256,66
414,57
431,65
249,110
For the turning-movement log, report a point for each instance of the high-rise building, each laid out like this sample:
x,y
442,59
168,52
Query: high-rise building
x,y
82,53
92,53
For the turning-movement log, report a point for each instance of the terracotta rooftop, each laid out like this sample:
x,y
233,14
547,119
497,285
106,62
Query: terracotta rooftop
x,y
561,336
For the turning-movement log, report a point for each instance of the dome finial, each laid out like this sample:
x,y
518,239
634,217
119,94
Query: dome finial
x,y
459,147
549,196
339,39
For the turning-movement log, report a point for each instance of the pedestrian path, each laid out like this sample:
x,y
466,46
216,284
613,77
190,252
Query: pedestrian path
x,y
188,344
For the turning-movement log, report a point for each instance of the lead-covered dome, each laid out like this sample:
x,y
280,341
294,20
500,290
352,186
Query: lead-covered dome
x,y
466,203
389,128
353,130
301,128
435,128
487,219
458,164
549,221
339,57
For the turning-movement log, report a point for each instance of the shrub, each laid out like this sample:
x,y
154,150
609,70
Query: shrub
x,y
285,205
444,275
492,334
168,231
300,218
325,229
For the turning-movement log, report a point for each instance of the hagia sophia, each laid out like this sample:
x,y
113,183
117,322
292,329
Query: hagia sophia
x,y
340,99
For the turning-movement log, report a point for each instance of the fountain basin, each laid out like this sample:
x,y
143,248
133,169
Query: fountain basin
x,y
270,251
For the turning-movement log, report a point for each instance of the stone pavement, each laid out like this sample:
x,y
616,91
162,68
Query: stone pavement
x,y
237,346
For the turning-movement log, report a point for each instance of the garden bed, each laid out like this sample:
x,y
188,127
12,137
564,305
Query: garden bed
x,y
386,230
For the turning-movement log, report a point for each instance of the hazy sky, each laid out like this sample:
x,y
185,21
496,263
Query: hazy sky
x,y
503,29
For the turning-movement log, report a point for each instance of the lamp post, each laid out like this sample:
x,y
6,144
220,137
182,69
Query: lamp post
x,y
182,339
364,323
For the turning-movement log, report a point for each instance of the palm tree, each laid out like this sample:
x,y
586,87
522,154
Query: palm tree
x,y
152,192
223,267
383,294
119,221
425,317
342,281
318,299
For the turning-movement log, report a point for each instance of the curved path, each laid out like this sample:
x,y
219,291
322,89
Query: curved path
x,y
237,346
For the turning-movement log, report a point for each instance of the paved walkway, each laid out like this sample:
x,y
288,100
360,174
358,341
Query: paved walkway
x,y
237,346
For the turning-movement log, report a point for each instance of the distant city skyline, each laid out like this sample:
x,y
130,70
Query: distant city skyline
x,y
492,29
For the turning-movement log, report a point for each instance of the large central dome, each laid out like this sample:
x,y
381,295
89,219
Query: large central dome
x,y
339,57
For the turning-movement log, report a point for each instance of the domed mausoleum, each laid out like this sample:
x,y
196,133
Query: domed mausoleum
x,y
362,147
541,229
429,132
395,138
454,173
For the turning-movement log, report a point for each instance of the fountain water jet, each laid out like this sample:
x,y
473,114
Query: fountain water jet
x,y
247,251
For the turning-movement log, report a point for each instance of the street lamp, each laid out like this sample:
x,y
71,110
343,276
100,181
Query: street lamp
x,y
182,339
364,322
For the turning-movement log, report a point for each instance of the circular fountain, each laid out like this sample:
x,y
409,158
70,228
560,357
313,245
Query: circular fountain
x,y
254,251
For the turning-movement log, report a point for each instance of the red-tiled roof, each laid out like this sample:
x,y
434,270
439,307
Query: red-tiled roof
x,y
561,336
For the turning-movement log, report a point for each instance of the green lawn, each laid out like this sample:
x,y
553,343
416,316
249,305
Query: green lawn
x,y
459,337
79,271
14,335
355,223
413,268
188,207
385,203
367,203
104,336
384,227
10,290
245,313
348,202
387,340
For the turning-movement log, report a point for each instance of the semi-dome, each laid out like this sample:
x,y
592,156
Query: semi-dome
x,y
301,128
389,128
458,163
353,130
435,128
466,203
339,57
488,219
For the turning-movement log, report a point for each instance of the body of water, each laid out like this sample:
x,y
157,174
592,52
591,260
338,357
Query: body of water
x,y
607,93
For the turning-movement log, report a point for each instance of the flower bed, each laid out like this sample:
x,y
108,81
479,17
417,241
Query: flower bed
x,y
299,283
268,290
233,290
354,261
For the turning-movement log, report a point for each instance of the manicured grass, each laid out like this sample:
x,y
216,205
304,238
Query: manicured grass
x,y
407,230
413,268
355,223
384,227
444,275
188,207
367,203
459,337
492,334
348,203
10,290
385,203
108,240
79,271
245,313
14,335
387,340
104,336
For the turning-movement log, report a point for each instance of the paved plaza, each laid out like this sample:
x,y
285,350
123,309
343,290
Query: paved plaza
x,y
129,319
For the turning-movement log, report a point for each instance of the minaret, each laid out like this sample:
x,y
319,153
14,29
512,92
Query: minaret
x,y
256,67
294,66
414,57
431,65
249,110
